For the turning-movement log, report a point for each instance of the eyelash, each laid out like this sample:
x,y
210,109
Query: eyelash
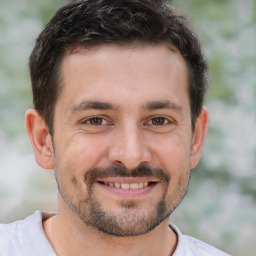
x,y
88,120
157,119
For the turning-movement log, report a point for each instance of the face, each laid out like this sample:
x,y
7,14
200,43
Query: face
x,y
123,142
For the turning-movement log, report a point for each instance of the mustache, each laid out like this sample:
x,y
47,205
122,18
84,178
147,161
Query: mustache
x,y
122,171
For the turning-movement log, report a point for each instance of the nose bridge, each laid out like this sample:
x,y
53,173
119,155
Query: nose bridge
x,y
129,146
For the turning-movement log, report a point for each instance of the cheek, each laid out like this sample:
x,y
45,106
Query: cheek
x,y
80,153
172,153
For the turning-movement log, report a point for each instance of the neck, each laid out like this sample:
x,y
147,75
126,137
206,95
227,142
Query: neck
x,y
69,235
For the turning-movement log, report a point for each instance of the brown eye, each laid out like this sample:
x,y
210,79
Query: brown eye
x,y
96,121
159,121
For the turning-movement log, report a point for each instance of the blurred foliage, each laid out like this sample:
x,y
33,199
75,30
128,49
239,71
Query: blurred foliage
x,y
220,207
227,32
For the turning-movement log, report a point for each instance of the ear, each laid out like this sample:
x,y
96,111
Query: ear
x,y
40,139
199,134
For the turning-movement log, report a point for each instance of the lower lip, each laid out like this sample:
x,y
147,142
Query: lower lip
x,y
128,192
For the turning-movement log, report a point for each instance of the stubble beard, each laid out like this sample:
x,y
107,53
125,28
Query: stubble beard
x,y
129,222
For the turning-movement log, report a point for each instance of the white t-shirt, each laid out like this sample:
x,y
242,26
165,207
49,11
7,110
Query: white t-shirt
x,y
26,238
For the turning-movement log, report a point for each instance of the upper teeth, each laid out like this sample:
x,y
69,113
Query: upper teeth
x,y
127,186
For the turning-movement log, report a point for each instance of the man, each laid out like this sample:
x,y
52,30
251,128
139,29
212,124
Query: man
x,y
118,88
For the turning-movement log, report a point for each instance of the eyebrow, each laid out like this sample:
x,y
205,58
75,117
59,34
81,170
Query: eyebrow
x,y
156,105
99,105
89,105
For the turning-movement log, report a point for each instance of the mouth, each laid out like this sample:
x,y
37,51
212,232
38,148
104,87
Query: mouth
x,y
133,186
127,187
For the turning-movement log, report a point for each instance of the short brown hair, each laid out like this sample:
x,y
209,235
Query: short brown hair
x,y
85,24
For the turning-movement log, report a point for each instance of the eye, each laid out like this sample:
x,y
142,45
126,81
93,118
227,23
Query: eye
x,y
96,121
160,124
159,121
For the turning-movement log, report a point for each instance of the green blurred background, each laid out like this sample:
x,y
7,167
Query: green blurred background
x,y
220,207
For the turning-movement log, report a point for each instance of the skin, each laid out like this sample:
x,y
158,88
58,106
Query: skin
x,y
144,119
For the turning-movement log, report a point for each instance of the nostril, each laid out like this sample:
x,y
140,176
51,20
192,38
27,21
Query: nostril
x,y
129,153
118,163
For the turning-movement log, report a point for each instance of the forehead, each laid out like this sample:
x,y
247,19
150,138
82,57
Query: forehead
x,y
110,71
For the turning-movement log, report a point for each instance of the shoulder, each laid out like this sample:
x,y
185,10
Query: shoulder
x,y
190,246
10,236
200,248
24,237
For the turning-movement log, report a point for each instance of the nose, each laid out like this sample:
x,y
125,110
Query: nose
x,y
129,148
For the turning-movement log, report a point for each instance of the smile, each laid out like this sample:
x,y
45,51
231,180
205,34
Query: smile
x,y
128,187
138,185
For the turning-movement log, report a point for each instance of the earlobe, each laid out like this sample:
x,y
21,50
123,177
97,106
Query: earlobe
x,y
40,139
199,134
